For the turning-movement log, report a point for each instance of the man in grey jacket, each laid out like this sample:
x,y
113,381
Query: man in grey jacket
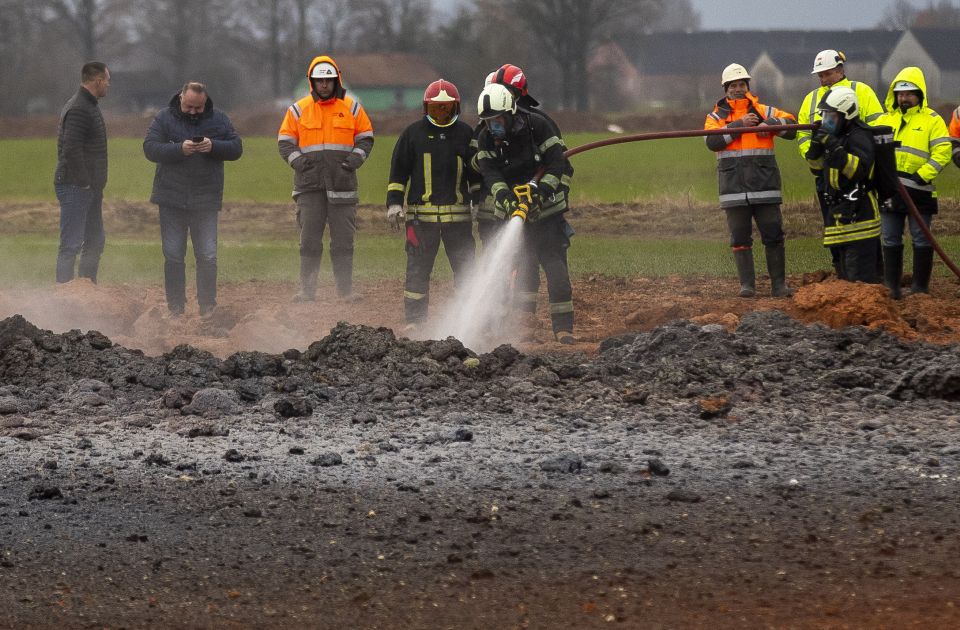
x,y
81,175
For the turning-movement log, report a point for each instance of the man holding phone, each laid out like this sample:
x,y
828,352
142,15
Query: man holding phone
x,y
190,140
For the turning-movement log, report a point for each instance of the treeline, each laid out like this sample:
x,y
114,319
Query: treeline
x,y
256,51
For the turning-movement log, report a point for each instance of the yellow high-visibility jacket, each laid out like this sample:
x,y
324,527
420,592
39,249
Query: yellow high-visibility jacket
x,y
925,145
869,107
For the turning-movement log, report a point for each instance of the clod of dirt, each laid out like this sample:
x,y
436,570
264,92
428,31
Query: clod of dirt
x,y
563,463
211,401
327,459
713,406
289,407
45,493
684,496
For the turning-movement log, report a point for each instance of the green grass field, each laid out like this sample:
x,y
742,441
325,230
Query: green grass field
x,y
28,260
641,170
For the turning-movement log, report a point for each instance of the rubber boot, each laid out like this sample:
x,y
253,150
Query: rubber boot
x,y
893,270
777,268
922,269
748,277
343,274
309,268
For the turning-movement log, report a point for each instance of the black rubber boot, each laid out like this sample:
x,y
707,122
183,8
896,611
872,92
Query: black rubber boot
x,y
893,270
309,268
922,269
777,268
745,272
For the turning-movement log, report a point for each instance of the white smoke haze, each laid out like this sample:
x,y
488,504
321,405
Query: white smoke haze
x,y
478,313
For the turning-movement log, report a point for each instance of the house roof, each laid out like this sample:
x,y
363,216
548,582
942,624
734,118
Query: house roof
x,y
703,52
941,45
386,70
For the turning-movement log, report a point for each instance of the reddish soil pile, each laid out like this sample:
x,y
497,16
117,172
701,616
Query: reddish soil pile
x,y
259,316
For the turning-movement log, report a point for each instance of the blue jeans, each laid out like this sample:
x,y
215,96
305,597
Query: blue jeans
x,y
81,231
202,226
891,229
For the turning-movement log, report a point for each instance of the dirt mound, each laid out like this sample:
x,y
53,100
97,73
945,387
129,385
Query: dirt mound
x,y
837,303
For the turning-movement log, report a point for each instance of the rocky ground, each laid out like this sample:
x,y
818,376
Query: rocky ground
x,y
781,475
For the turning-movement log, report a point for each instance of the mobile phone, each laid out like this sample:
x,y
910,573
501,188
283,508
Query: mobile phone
x,y
197,139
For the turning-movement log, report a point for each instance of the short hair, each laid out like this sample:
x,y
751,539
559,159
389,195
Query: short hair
x,y
93,70
194,86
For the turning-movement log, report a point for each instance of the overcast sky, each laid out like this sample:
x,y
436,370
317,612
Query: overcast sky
x,y
800,14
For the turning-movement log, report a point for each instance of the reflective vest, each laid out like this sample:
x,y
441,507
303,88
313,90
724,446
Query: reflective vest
x,y
869,107
746,166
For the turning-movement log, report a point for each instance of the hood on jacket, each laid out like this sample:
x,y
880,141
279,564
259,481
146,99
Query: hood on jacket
x,y
914,75
175,107
338,91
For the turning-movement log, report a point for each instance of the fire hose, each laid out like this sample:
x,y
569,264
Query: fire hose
x,y
662,135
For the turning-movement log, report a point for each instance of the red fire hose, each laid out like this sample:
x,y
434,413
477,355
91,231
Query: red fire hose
x,y
662,135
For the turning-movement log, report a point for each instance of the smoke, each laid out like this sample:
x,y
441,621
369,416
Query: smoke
x,y
477,314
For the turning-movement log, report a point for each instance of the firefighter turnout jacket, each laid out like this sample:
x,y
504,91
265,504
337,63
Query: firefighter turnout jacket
x,y
925,145
532,145
955,134
325,141
432,165
851,212
746,166
869,107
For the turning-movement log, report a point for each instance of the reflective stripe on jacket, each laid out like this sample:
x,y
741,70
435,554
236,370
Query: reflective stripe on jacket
x,y
326,133
869,106
924,141
852,213
747,169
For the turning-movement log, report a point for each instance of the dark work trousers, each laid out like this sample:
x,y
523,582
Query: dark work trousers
x,y
487,231
835,254
81,231
769,223
460,247
858,260
314,213
545,244
201,225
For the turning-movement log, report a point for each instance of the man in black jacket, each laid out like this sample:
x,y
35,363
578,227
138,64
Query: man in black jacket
x,y
189,141
81,175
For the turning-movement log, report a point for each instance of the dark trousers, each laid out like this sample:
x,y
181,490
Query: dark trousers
x,y
769,222
545,245
81,231
892,224
487,231
175,224
314,213
458,243
858,260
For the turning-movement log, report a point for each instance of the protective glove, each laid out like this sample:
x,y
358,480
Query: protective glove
x,y
352,162
916,178
504,204
395,216
816,149
414,245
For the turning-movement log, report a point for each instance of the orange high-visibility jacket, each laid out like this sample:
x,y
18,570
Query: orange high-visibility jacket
x,y
333,137
747,169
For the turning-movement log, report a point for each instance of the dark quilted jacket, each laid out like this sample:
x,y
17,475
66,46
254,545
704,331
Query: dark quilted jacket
x,y
193,182
81,143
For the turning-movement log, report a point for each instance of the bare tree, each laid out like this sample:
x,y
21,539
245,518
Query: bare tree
x,y
899,15
394,25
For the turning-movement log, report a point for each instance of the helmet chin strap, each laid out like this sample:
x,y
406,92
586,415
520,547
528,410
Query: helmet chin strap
x,y
436,124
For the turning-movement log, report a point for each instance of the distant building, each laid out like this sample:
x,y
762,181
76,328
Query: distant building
x,y
937,53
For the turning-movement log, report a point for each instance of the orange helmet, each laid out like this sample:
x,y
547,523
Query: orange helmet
x,y
441,102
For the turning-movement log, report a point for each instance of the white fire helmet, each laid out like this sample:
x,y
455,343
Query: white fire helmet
x,y
827,60
324,70
494,100
840,99
734,72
